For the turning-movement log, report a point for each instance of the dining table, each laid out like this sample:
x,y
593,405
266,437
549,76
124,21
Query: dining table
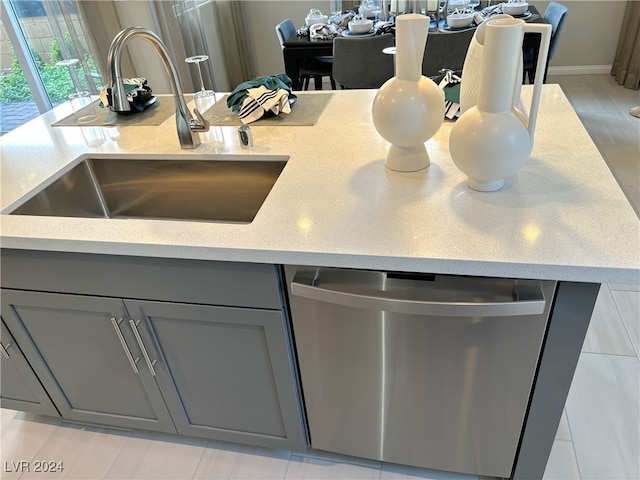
x,y
297,48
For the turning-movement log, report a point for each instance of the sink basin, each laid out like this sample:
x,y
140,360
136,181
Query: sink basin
x,y
224,188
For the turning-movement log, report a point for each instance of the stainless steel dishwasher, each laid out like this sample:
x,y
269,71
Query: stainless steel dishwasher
x,y
427,370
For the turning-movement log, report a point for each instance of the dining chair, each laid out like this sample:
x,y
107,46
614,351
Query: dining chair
x,y
360,63
445,51
556,15
311,67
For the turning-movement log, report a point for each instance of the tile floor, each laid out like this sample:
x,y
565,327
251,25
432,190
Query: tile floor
x,y
598,436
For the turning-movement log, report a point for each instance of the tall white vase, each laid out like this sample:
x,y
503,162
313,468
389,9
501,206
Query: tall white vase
x,y
492,140
472,70
409,108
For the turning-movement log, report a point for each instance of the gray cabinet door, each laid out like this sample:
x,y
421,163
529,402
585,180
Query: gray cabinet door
x,y
21,389
74,346
225,373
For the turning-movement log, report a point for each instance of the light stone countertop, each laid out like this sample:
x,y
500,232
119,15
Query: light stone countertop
x,y
562,217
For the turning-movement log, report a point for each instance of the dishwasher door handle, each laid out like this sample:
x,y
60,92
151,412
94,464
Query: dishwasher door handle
x,y
415,307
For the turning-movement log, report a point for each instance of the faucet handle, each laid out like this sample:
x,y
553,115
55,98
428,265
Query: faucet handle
x,y
199,124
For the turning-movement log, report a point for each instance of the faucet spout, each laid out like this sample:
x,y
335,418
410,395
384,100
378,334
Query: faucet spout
x,y
186,125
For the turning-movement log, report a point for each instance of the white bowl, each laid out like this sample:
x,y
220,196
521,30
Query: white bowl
x,y
515,8
459,20
360,26
317,19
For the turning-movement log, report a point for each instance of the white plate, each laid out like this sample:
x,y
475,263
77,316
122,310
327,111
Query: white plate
x,y
349,33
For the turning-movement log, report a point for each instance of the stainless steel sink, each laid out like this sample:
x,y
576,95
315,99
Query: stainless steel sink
x,y
224,189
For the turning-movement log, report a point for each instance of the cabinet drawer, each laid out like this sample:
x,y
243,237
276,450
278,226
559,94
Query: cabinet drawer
x,y
166,279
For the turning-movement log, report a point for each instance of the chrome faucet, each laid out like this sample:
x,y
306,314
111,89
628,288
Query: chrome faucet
x,y
187,125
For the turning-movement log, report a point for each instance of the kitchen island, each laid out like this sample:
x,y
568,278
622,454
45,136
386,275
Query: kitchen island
x,y
561,218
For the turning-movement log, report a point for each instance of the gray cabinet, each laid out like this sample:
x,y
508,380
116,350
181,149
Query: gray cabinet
x,y
224,372
198,348
20,389
74,345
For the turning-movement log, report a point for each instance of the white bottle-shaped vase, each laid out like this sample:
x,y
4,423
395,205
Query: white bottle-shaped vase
x,y
472,69
492,140
409,108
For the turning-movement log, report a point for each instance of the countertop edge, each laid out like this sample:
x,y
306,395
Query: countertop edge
x,y
570,273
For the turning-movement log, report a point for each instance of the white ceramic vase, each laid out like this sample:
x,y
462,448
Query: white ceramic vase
x,y
492,140
472,70
409,108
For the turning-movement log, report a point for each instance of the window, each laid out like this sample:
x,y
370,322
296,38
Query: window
x,y
36,36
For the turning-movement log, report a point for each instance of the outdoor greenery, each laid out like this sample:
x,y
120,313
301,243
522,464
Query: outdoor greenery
x,y
57,80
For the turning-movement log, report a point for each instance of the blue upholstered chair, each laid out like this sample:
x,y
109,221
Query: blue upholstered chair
x,y
555,15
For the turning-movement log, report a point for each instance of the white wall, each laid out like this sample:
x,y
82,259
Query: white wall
x,y
590,35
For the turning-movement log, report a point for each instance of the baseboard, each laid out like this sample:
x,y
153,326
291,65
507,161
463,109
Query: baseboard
x,y
580,70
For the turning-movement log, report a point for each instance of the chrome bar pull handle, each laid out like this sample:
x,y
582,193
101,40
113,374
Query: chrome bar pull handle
x,y
127,352
136,333
4,350
418,307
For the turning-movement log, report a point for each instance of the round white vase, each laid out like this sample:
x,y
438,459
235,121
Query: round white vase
x,y
489,147
493,139
409,108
